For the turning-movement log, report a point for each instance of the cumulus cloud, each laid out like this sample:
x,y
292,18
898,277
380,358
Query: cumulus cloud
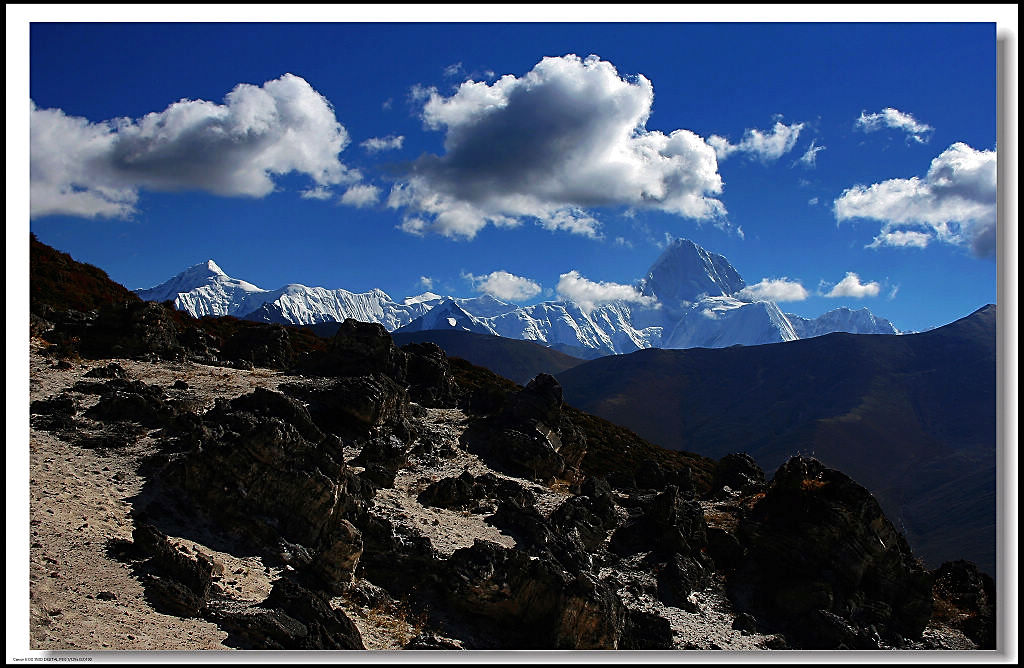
x,y
564,138
505,286
774,289
851,286
896,119
319,192
233,149
954,203
810,157
589,293
901,238
767,146
427,282
378,144
361,195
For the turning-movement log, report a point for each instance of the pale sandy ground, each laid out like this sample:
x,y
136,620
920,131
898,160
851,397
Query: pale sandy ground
x,y
81,499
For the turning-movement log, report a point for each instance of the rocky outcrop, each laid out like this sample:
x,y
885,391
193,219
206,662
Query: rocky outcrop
x,y
262,468
825,565
132,401
965,599
263,346
429,375
176,582
739,473
535,603
523,438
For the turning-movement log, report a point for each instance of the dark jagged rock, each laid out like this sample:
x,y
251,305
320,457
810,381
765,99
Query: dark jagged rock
x,y
428,640
429,375
402,562
133,401
263,469
538,604
678,576
523,438
265,403
353,406
739,472
454,493
466,492
293,616
645,630
667,524
651,475
54,413
591,513
327,628
386,451
112,370
824,564
358,349
724,549
267,346
540,401
116,435
176,583
533,534
965,599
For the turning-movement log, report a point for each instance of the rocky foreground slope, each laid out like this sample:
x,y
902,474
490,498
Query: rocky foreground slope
x,y
200,484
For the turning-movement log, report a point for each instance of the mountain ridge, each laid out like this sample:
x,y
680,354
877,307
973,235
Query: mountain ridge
x,y
905,415
690,297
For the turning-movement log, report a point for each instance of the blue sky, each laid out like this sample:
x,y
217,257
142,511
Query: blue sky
x,y
570,164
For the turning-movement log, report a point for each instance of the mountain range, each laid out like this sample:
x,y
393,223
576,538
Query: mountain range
x,y
911,417
689,298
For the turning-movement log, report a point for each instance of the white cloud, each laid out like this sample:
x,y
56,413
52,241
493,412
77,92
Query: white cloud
x,y
564,138
954,203
389,143
766,146
588,293
319,192
901,238
453,70
810,157
774,289
896,119
427,282
361,195
504,286
813,201
233,149
851,286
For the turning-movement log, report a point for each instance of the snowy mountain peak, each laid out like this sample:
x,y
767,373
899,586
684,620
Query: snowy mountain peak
x,y
419,299
695,290
685,272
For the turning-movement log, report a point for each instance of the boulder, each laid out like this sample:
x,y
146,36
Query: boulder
x,y
824,564
430,378
175,582
965,599
739,472
133,401
267,346
532,599
260,468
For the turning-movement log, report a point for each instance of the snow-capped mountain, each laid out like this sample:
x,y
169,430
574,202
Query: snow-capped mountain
x,y
205,289
691,302
860,321
446,315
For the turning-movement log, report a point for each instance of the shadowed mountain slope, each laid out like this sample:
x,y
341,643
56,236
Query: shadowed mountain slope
x,y
514,359
912,417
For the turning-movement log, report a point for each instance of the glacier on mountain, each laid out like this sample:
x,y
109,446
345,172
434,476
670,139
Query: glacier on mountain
x,y
692,302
